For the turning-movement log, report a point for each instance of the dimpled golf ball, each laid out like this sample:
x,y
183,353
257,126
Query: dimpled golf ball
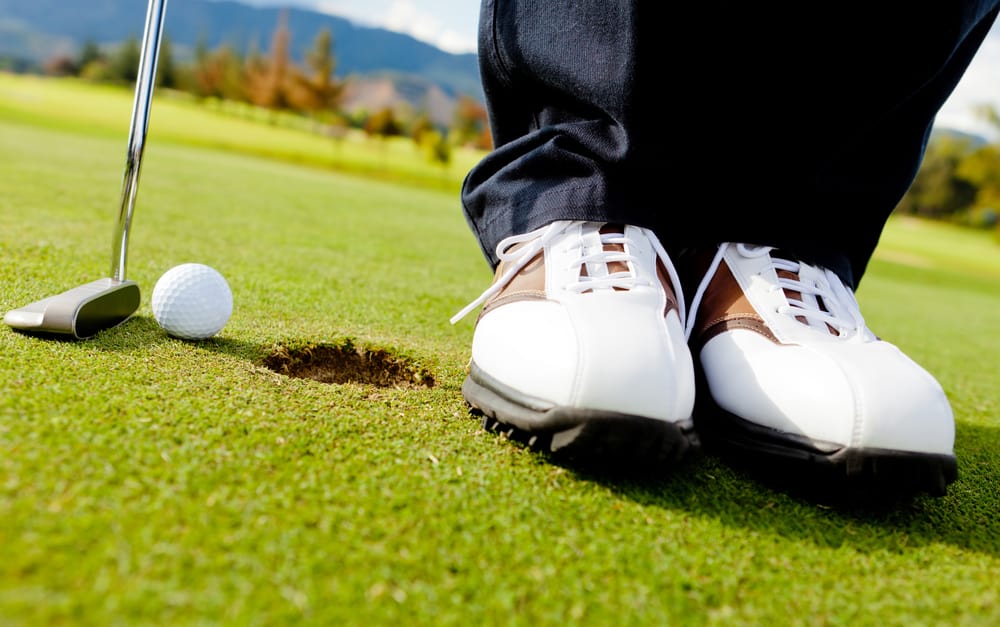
x,y
192,301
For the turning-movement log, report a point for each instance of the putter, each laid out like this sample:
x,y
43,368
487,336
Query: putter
x,y
83,311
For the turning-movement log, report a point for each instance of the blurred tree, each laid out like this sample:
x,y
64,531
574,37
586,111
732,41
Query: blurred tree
x,y
217,73
383,124
982,170
989,114
167,72
471,123
125,62
254,64
202,78
207,82
90,52
436,146
421,124
268,85
358,117
485,139
316,91
60,65
233,68
939,189
98,70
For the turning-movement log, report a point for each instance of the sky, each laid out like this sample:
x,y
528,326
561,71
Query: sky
x,y
447,24
451,26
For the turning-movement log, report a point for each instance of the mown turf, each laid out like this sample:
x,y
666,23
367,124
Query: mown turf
x,y
146,480
75,105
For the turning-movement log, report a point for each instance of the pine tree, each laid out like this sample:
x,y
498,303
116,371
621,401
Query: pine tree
x,y
317,90
125,63
269,85
166,66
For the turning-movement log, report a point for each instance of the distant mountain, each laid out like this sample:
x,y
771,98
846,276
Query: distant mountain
x,y
37,29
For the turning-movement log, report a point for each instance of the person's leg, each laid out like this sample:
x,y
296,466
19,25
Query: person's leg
x,y
817,119
789,371
730,122
870,172
570,88
798,130
579,349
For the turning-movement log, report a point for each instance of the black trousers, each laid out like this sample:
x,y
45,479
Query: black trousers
x,y
797,125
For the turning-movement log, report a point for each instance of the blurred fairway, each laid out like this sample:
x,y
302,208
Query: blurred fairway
x,y
75,105
146,480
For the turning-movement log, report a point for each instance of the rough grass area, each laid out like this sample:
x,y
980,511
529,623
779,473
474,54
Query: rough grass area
x,y
149,480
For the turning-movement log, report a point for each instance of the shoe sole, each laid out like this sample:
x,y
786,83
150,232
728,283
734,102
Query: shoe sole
x,y
823,466
580,435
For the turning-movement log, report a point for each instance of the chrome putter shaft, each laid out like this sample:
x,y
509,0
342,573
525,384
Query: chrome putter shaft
x,y
85,310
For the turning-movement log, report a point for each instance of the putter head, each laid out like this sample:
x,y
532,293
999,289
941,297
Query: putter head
x,y
80,312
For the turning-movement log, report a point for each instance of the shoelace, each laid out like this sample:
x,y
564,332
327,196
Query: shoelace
x,y
538,239
824,299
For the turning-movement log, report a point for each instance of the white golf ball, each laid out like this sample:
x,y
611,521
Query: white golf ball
x,y
192,301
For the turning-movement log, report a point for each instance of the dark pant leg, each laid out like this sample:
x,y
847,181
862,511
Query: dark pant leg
x,y
797,127
566,88
829,113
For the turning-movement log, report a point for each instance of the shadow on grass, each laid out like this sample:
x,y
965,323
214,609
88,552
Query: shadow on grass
x,y
142,332
764,500
341,361
135,333
761,499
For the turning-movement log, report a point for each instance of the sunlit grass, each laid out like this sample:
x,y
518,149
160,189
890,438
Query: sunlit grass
x,y
86,107
146,480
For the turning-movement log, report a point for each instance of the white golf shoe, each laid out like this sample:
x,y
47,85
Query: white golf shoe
x,y
579,349
788,370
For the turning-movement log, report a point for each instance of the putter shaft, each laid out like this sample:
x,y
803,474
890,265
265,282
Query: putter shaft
x,y
145,81
85,310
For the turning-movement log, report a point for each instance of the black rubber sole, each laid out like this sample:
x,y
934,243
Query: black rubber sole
x,y
582,436
819,467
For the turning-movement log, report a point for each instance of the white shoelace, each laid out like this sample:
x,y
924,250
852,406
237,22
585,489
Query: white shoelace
x,y
824,299
596,261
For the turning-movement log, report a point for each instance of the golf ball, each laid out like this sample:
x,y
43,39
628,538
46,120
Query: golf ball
x,y
192,301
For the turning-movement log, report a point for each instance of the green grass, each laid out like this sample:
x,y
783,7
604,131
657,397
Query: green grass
x,y
177,118
146,480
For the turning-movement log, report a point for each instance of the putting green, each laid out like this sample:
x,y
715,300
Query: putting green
x,y
148,480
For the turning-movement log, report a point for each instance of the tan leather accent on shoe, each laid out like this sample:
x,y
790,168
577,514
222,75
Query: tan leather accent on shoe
x,y
528,284
724,307
747,322
664,277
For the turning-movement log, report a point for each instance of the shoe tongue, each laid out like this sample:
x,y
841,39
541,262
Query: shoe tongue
x,y
806,300
603,268
612,266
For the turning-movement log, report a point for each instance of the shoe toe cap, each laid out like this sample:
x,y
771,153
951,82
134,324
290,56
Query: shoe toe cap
x,y
528,346
857,394
606,353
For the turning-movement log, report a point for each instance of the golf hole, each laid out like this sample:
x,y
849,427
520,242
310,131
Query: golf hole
x,y
347,363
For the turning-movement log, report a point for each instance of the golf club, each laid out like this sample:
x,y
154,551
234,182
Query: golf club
x,y
83,311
